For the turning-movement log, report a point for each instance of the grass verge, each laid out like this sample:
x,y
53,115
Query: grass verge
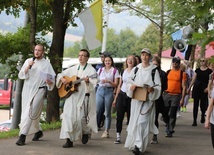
x,y
15,132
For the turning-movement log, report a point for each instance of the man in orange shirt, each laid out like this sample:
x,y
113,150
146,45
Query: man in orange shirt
x,y
174,95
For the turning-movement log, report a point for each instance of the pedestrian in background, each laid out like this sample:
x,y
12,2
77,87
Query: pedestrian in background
x,y
34,93
209,123
98,66
159,103
121,100
174,95
138,59
200,90
187,68
108,76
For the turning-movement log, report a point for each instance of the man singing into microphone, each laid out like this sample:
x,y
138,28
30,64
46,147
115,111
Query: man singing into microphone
x,y
33,93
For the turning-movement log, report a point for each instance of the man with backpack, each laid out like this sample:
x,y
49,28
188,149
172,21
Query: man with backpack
x,y
142,114
174,94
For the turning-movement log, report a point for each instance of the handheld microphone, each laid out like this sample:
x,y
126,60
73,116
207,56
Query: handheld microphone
x,y
33,60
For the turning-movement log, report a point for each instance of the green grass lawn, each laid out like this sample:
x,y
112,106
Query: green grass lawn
x,y
15,132
4,107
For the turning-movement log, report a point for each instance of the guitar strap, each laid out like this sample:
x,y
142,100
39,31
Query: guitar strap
x,y
80,69
83,67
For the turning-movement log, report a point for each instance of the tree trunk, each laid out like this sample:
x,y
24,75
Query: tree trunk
x,y
17,105
192,56
161,29
33,15
56,55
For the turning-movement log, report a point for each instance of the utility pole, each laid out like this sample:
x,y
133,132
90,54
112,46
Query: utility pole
x,y
105,32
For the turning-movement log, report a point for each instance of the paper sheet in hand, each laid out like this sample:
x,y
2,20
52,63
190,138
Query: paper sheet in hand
x,y
46,76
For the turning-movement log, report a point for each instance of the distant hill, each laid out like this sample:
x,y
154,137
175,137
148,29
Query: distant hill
x,y
116,21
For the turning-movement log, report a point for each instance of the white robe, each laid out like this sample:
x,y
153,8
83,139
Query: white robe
x,y
142,117
73,107
32,82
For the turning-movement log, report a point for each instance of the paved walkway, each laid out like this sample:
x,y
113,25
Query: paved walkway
x,y
187,140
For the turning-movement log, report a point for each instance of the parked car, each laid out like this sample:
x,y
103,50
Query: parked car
x,y
5,126
6,92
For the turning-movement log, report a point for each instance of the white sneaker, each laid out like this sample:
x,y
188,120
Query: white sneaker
x,y
178,114
117,141
105,134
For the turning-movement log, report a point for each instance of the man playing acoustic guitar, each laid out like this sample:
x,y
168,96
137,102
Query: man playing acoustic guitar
x,y
79,112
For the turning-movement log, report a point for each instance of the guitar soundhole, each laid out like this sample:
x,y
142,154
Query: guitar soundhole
x,y
67,88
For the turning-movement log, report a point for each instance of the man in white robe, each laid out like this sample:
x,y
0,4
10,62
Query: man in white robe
x,y
33,93
142,112
79,112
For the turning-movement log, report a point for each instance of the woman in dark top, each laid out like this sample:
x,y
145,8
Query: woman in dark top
x,y
200,91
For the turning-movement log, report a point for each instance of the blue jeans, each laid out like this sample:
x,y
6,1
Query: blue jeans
x,y
104,99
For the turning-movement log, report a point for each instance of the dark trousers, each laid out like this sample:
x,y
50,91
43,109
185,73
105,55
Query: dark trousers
x,y
212,133
123,106
159,109
171,103
203,100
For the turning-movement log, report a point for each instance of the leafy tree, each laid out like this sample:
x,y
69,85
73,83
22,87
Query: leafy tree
x,y
171,15
126,43
48,16
150,39
11,47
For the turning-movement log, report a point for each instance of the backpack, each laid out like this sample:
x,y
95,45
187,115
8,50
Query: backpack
x,y
152,73
163,77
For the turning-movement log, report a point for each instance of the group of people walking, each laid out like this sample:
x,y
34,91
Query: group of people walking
x,y
99,90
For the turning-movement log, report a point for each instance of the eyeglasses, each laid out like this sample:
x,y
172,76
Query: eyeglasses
x,y
82,56
175,61
202,60
130,60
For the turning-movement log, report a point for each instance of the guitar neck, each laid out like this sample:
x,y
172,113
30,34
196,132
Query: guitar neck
x,y
79,80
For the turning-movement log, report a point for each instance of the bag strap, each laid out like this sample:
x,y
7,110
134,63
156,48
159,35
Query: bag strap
x,y
114,72
101,69
153,74
135,71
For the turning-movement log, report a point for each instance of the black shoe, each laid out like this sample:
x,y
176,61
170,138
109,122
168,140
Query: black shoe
x,y
21,140
202,119
37,135
154,140
194,124
136,151
169,134
117,141
85,138
68,143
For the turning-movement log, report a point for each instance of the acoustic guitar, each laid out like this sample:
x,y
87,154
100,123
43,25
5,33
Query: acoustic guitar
x,y
72,86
